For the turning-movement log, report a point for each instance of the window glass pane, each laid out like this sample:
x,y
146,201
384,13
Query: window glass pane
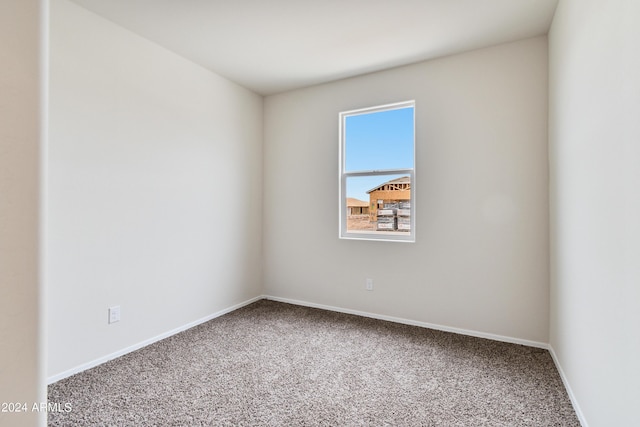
x,y
379,141
378,203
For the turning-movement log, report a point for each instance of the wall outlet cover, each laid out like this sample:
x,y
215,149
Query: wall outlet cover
x,y
368,284
114,314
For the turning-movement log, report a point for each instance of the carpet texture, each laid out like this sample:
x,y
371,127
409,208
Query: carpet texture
x,y
275,364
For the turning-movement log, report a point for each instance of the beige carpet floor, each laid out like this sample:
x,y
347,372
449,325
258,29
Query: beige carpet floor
x,y
275,364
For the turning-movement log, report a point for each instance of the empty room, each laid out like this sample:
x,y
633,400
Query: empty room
x,y
413,212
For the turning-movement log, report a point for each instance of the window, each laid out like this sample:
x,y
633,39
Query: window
x,y
377,177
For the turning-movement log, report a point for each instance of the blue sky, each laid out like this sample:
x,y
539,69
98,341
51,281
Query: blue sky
x,y
377,141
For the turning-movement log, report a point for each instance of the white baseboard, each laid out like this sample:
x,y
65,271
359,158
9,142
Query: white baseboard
x,y
565,381
52,379
461,331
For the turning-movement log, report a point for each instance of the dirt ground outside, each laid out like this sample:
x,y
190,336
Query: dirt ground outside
x,y
360,222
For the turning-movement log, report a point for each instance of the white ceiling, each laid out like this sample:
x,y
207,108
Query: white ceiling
x,y
270,46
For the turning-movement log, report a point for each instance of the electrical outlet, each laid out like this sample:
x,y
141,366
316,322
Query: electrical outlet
x,y
368,285
114,314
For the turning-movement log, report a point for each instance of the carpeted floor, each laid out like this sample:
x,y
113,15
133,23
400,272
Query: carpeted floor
x,y
275,364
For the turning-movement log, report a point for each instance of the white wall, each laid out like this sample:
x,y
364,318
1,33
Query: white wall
x,y
595,205
21,133
481,258
154,190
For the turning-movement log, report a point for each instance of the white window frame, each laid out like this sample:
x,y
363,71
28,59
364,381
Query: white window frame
x,y
391,236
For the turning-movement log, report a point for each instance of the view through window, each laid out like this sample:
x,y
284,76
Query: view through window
x,y
377,147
